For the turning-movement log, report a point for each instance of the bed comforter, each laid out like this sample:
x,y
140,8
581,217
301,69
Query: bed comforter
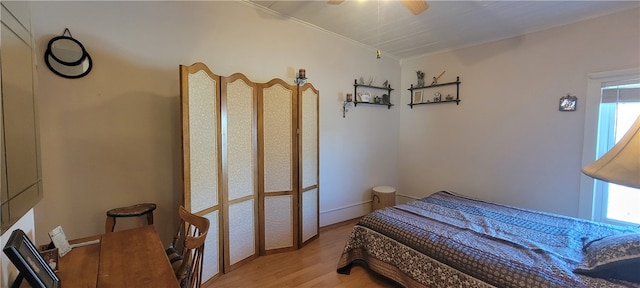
x,y
448,240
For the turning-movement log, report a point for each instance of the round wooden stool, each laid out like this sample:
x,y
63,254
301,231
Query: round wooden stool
x,y
383,196
131,211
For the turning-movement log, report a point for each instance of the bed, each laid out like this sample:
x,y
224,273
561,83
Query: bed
x,y
449,240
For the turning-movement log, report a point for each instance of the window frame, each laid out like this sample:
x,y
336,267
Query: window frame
x,y
590,205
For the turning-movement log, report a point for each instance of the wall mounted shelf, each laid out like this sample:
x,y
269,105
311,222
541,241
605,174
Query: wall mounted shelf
x,y
456,100
355,93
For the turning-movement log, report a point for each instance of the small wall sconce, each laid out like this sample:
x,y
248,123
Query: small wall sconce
x,y
347,104
302,77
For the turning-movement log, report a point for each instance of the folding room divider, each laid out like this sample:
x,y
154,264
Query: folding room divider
x,y
250,164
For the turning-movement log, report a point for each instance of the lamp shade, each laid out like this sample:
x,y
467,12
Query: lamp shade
x,y
621,164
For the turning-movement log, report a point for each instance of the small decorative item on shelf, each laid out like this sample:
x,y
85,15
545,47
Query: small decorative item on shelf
x,y
365,97
386,99
385,83
436,97
435,79
420,75
370,80
376,99
361,81
417,97
448,97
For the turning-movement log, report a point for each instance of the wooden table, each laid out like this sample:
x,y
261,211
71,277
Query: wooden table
x,y
128,258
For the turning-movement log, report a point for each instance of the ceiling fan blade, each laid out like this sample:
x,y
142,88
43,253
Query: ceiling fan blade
x,y
335,2
416,6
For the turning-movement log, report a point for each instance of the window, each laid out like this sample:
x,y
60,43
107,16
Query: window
x,y
619,108
612,104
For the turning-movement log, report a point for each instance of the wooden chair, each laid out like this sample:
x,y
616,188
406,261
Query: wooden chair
x,y
187,249
130,211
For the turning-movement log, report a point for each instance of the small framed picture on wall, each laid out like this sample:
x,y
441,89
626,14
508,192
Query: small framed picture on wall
x,y
568,103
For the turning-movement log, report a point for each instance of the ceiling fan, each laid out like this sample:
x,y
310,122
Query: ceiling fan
x,y
416,6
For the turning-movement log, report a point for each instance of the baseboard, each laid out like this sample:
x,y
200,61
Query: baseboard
x,y
349,222
352,211
344,213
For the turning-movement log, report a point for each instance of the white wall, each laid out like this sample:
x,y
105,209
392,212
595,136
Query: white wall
x,y
507,141
112,138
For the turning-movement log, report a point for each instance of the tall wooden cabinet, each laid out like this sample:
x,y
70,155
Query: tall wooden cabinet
x,y
21,175
250,160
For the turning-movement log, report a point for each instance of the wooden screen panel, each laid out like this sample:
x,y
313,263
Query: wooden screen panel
x,y
211,265
309,213
200,106
242,233
200,137
239,162
309,137
277,138
277,114
278,222
309,159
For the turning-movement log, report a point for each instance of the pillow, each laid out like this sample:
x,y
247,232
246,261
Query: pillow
x,y
613,257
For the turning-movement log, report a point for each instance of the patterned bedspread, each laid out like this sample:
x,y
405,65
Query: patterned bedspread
x,y
448,240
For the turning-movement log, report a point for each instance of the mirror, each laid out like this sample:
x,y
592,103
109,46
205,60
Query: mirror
x,y
66,57
72,71
66,50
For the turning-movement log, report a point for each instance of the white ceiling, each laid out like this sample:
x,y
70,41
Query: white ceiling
x,y
389,26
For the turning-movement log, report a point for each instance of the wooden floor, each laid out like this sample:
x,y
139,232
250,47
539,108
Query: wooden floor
x,y
312,266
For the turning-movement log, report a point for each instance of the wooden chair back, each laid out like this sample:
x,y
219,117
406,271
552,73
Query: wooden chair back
x,y
190,238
